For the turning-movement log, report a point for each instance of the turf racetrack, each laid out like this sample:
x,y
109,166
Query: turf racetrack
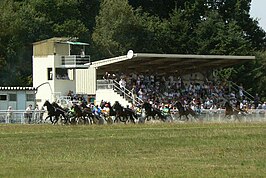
x,y
141,150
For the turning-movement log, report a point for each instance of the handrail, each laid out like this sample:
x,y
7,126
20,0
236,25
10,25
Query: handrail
x,y
75,60
114,85
236,88
128,93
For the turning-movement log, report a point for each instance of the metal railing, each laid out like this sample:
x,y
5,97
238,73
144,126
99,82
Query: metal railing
x,y
75,60
22,116
125,93
235,87
206,115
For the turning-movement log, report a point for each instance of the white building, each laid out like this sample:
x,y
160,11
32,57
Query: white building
x,y
17,97
55,65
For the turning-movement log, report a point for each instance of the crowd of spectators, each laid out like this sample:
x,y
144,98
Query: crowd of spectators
x,y
160,90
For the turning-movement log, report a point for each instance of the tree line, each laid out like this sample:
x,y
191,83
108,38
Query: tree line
x,y
112,27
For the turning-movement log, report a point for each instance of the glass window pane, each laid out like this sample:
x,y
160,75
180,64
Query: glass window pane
x,y
3,97
30,97
12,97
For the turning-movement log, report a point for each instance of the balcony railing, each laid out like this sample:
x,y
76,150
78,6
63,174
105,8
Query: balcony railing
x,y
75,61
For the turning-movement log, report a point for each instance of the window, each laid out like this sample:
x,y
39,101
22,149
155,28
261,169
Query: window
x,y
61,74
30,97
3,97
50,73
12,97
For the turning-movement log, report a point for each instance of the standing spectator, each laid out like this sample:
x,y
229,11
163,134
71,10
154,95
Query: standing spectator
x,y
106,76
140,93
133,94
28,113
122,84
256,100
9,114
241,93
82,53
36,114
41,114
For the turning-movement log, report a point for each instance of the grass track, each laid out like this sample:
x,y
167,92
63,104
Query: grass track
x,y
156,150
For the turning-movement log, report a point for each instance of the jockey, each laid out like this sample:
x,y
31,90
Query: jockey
x,y
97,111
72,110
166,110
106,109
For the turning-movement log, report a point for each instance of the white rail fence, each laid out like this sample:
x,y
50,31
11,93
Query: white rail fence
x,y
22,116
37,117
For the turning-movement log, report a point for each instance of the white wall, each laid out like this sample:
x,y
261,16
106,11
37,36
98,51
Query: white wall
x,y
110,96
40,76
86,81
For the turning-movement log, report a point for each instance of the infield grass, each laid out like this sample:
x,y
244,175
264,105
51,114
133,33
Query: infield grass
x,y
147,150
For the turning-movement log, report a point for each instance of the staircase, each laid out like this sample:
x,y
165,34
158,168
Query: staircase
x,y
110,91
234,87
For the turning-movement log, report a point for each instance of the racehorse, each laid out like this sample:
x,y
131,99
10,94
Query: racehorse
x,y
184,111
83,113
233,111
152,112
123,113
56,111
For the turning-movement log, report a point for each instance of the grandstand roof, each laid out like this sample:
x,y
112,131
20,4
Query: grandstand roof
x,y
166,63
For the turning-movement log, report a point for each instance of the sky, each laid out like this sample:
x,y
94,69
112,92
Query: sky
x,y
258,10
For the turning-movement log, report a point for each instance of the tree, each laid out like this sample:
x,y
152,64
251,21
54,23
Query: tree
x,y
25,22
116,28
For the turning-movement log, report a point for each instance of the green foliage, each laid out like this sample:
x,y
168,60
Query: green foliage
x,y
116,27
25,22
112,27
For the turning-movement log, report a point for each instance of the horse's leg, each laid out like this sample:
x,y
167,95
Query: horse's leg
x,y
46,118
124,119
180,116
117,119
132,119
187,117
54,120
51,119
84,119
65,118
237,117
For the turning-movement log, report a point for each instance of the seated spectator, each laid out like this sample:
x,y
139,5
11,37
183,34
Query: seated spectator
x,y
264,105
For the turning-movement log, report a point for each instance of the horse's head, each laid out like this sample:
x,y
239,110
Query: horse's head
x,y
46,103
146,106
227,104
178,105
117,107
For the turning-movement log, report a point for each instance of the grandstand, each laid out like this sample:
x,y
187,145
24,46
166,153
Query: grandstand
x,y
59,67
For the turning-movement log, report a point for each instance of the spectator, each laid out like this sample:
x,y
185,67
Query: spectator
x,y
9,114
82,53
256,101
122,84
28,113
264,105
106,76
36,114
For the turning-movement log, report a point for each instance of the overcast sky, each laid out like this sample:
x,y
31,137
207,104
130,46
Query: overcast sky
x,y
258,10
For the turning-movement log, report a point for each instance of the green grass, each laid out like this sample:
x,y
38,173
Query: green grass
x,y
148,150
